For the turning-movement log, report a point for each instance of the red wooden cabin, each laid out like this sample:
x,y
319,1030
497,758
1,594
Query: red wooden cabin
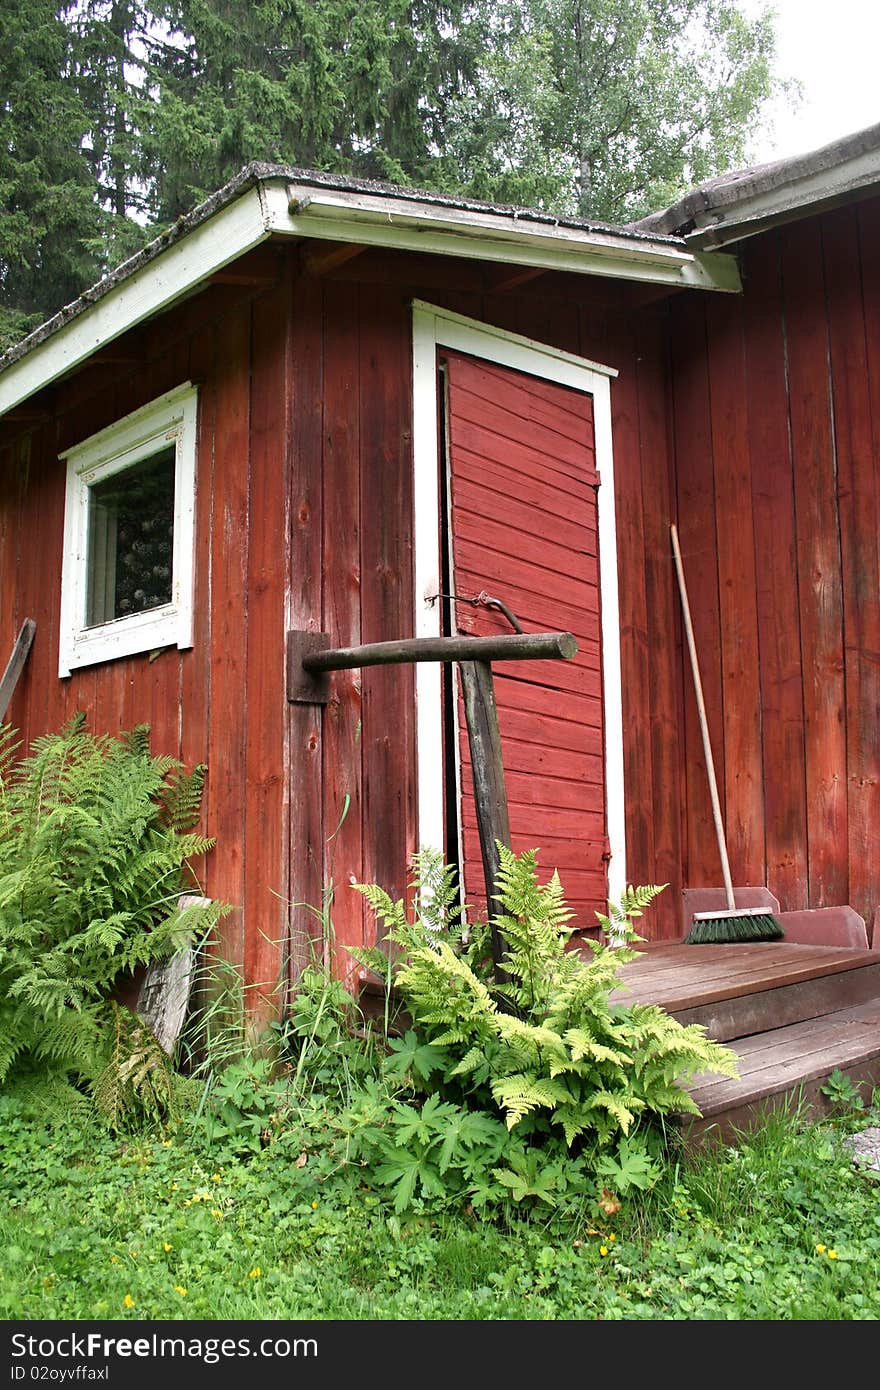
x,y
347,400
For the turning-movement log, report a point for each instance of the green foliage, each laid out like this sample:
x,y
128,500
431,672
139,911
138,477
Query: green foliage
x,y
119,115
136,1082
51,224
96,839
843,1095
552,1044
306,1068
783,1227
609,110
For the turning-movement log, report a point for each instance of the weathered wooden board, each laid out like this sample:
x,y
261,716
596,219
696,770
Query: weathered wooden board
x,y
15,665
743,799
820,587
859,515
696,520
304,753
387,608
779,651
265,820
341,540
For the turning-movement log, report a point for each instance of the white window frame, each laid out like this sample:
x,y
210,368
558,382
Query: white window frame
x,y
434,328
170,418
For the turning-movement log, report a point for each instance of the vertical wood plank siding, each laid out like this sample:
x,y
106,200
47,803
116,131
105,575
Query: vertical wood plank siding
x,y
791,646
200,703
753,421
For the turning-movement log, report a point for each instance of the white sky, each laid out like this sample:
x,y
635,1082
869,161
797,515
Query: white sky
x,y
833,47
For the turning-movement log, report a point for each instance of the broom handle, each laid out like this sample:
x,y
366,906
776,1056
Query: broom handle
x,y
704,727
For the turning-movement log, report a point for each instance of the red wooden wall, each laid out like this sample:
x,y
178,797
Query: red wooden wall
x,y
776,423
222,702
753,420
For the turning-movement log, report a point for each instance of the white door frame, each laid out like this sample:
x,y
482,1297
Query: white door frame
x,y
433,328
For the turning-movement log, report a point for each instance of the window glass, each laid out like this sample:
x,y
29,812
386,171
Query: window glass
x,y
131,540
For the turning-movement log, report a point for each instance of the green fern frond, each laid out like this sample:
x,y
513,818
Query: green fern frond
x,y
137,740
554,1039
135,1084
181,797
472,1061
519,1095
623,1112
583,1044
91,871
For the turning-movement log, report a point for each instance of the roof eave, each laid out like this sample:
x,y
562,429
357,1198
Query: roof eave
x,y
739,205
256,207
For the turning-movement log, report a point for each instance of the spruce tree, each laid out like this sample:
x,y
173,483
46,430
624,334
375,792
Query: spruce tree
x,y
51,224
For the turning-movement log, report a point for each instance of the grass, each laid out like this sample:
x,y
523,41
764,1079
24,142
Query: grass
x,y
211,1225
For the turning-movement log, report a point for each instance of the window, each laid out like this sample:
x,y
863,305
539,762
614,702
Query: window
x,y
127,569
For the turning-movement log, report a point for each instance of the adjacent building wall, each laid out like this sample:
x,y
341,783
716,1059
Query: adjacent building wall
x,y
775,402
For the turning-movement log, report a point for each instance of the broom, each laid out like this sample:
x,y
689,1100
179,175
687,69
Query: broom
x,y
736,924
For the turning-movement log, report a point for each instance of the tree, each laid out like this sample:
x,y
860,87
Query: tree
x,y
119,115
51,226
609,108
71,170
349,86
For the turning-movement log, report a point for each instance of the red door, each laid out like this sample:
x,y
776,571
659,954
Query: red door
x,y
522,504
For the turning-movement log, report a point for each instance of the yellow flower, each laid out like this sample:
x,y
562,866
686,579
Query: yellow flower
x,y
128,1301
174,1187
215,1177
217,1212
603,1249
166,1143
255,1272
166,1247
612,1236
179,1288
832,1254
314,1206
114,1259
820,1249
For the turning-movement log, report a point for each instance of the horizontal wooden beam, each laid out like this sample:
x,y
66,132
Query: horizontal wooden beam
x,y
319,259
310,657
508,647
512,278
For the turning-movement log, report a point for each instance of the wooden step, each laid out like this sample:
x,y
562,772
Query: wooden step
x,y
736,991
783,1064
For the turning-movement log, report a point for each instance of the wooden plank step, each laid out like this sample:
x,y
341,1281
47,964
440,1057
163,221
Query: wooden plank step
x,y
734,991
784,1063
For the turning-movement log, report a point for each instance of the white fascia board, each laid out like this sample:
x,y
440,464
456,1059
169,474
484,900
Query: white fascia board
x,y
371,220
264,210
157,285
746,216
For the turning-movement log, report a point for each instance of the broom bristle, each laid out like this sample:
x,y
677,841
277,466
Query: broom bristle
x,y
737,925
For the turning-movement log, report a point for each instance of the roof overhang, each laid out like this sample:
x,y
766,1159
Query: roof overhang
x,y
257,207
738,205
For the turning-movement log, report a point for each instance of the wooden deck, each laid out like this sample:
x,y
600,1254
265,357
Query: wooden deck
x,y
792,1013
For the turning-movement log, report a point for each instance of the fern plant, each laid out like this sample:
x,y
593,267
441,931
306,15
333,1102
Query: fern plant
x,y
96,839
552,1046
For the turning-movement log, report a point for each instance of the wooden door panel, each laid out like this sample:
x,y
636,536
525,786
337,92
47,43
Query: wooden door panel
x,y
524,528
